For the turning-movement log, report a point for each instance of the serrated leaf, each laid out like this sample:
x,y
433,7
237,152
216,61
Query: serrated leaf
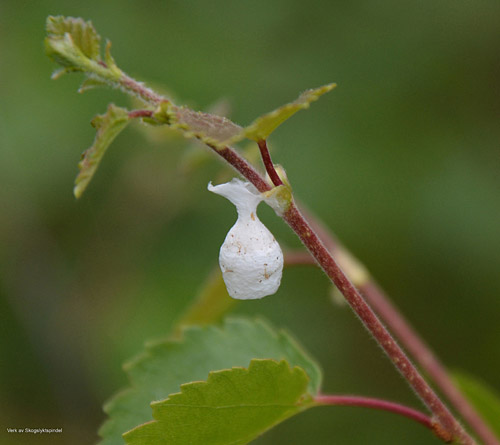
x,y
75,44
482,397
165,365
219,131
209,128
232,407
70,38
83,34
108,126
263,126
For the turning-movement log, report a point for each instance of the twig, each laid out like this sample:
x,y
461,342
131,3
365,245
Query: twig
x,y
140,113
268,163
448,423
367,402
412,341
426,358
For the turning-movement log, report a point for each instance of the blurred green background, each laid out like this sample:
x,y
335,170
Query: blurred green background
x,y
402,161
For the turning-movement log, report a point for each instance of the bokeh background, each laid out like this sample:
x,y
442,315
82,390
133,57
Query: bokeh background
x,y
402,161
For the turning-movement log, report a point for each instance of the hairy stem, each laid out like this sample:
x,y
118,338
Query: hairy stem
x,y
140,90
427,359
448,423
412,341
367,402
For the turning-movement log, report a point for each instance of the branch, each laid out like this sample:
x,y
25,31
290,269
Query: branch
x,y
448,423
385,405
403,330
268,163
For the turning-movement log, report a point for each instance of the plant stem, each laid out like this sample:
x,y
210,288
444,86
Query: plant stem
x,y
448,423
427,359
138,89
243,167
140,113
367,402
268,163
415,345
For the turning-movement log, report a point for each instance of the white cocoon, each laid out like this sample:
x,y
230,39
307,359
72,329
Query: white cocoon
x,y
250,258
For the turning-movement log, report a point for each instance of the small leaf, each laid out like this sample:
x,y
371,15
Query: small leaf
x,y
209,128
166,365
108,58
108,126
90,83
75,44
232,407
83,34
71,40
482,397
263,126
219,131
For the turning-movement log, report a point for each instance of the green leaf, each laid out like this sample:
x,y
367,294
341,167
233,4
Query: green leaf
x,y
232,407
482,397
75,44
263,126
214,130
81,33
88,84
108,126
166,365
220,132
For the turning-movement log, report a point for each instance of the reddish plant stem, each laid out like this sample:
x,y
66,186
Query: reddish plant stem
x,y
139,89
415,345
140,113
367,402
426,358
268,163
446,420
243,167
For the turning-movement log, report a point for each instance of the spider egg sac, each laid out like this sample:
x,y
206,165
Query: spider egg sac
x,y
250,258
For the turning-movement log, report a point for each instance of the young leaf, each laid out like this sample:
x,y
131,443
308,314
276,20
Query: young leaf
x,y
232,407
263,126
166,365
220,131
108,126
82,34
75,44
209,128
484,399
